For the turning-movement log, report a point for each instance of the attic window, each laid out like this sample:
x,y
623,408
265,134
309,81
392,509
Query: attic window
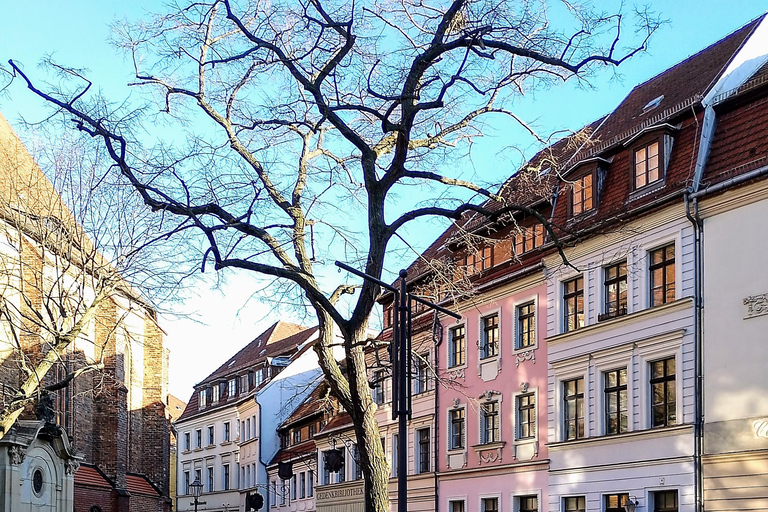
x,y
653,104
231,363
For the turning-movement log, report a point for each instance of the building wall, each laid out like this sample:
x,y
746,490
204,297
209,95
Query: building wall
x,y
735,401
642,460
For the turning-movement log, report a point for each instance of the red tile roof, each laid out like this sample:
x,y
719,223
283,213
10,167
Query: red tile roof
x,y
280,339
139,484
294,452
678,90
90,476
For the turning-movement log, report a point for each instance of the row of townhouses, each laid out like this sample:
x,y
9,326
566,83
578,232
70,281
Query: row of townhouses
x,y
614,361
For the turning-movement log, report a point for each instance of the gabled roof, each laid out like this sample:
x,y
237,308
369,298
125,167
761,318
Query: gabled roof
x,y
280,339
91,476
670,95
140,484
256,350
311,406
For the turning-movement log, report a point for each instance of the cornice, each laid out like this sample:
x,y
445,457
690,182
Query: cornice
x,y
621,438
622,321
733,198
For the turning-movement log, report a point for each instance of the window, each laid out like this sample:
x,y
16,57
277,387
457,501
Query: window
x,y
490,504
479,260
420,374
198,476
573,304
526,326
215,393
423,436
489,423
528,503
312,430
244,384
378,386
186,482
199,438
456,506
582,195
210,479
662,270
489,345
232,387
647,164
616,401
357,468
614,291
283,492
202,398
302,485
573,409
227,432
225,475
258,377
284,440
293,487
665,501
456,346
527,239
274,493
457,429
575,504
296,436
663,399
526,416
187,442
211,438
395,454
615,502
311,484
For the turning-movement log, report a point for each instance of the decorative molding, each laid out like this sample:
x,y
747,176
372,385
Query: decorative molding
x,y
70,466
761,428
16,454
456,375
757,305
528,355
489,453
488,394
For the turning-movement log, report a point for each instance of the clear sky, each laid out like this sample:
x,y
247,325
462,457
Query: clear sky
x,y
77,32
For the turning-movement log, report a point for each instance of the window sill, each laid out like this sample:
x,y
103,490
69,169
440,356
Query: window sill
x,y
489,446
670,307
457,367
582,216
198,449
225,443
623,437
646,189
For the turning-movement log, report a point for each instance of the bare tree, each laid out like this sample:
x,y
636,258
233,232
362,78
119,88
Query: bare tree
x,y
323,128
65,293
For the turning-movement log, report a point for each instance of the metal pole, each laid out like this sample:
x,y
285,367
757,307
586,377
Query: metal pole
x,y
403,406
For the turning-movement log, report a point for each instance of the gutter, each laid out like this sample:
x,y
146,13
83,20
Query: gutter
x,y
267,497
692,204
438,339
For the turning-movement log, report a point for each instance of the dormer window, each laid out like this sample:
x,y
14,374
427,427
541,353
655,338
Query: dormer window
x,y
646,164
478,260
528,238
583,194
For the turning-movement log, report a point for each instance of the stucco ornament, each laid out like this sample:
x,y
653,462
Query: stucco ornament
x,y
70,466
528,355
16,454
757,305
761,428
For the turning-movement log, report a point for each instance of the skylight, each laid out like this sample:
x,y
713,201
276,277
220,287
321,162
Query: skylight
x,y
653,103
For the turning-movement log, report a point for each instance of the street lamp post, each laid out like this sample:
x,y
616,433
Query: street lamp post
x,y
197,489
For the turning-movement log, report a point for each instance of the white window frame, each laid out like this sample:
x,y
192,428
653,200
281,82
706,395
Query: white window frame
x,y
516,418
449,352
461,406
452,498
481,332
417,450
515,309
560,303
498,398
644,275
564,371
483,496
515,496
654,349
606,361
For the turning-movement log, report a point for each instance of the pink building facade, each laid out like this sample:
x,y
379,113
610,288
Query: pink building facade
x,y
492,409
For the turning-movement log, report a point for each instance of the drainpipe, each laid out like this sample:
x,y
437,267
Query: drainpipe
x,y
698,386
261,452
437,333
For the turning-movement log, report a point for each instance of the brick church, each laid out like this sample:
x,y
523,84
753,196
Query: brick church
x,y
115,418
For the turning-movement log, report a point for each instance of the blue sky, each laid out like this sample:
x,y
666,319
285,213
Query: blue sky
x,y
77,32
